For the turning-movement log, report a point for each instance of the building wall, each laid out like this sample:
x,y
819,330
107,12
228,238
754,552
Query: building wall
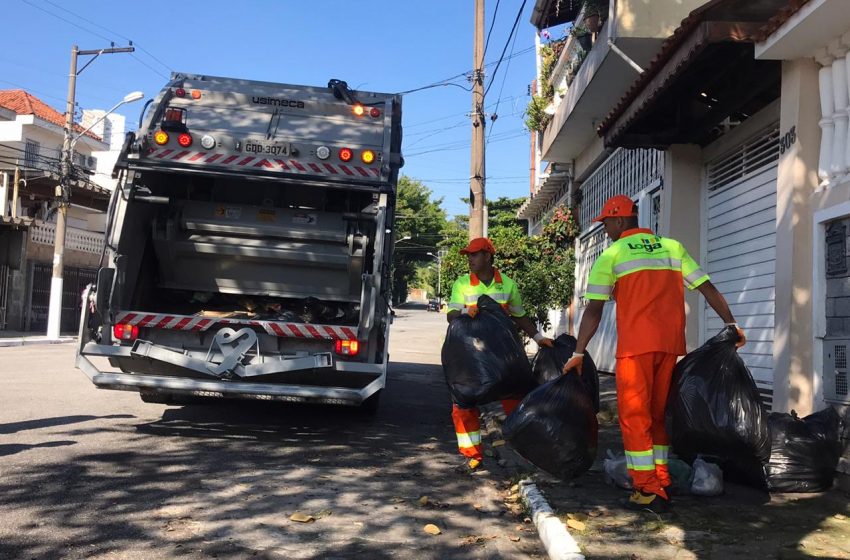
x,y
642,18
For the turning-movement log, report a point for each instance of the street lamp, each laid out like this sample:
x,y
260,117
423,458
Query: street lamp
x,y
54,311
439,277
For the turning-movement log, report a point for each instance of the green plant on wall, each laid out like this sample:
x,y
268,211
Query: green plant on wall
x,y
536,117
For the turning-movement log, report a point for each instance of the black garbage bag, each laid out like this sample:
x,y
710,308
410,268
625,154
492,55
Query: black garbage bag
x,y
548,364
804,453
715,409
484,359
555,427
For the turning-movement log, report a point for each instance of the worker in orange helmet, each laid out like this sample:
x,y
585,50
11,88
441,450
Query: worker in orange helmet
x,y
645,274
484,279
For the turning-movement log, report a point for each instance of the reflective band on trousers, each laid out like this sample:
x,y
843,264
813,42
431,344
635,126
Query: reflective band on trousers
x,y
660,453
468,440
644,264
640,460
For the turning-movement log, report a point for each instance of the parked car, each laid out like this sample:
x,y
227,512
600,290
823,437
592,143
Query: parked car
x,y
433,305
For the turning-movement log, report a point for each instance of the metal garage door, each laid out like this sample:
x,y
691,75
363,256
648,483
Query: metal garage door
x,y
741,248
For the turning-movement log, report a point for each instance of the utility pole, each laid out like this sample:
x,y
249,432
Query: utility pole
x,y
477,196
63,190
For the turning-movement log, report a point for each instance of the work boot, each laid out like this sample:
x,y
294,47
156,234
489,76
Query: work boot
x,y
651,502
470,466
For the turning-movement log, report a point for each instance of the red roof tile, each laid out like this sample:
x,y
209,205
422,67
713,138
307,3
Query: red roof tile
x,y
776,21
24,103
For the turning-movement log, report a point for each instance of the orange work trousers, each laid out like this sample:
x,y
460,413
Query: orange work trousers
x,y
643,382
468,427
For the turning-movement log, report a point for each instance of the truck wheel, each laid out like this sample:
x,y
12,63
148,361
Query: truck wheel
x,y
370,405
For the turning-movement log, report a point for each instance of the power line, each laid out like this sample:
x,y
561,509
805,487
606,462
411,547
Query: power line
x,y
492,24
505,49
501,89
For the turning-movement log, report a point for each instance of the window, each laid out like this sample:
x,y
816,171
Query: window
x,y
31,159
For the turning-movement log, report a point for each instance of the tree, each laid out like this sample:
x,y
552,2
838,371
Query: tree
x,y
422,219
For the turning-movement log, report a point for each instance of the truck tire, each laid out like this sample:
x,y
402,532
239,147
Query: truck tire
x,y
370,405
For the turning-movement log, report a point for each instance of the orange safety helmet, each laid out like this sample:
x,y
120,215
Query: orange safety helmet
x,y
618,206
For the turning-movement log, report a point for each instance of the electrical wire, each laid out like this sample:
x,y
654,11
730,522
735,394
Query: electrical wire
x,y
501,89
505,49
492,24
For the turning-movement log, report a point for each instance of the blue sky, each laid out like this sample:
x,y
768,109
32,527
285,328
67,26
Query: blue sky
x,y
379,46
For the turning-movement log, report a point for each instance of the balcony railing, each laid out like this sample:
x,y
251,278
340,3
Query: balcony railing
x,y
75,239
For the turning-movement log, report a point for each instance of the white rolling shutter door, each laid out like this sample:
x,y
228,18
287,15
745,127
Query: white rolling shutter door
x,y
741,247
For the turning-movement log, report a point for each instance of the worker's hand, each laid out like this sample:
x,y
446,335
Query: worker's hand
x,y
547,342
574,363
742,338
471,311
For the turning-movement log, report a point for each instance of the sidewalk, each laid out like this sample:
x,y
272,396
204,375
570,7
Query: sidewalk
x,y
741,523
19,338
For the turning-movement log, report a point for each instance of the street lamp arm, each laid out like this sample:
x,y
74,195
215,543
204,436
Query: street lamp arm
x,y
129,98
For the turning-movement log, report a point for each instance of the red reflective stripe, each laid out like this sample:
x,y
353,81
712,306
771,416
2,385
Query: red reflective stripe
x,y
263,163
200,324
346,170
377,172
147,319
165,321
277,330
295,330
349,333
332,332
282,164
312,330
163,153
246,160
181,154
315,167
297,165
362,171
197,156
229,159
212,158
331,169
182,323
125,317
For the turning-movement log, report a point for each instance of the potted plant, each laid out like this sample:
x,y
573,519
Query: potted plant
x,y
582,35
594,12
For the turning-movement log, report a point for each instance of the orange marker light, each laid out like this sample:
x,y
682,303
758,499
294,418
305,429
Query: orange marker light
x,y
345,154
160,137
368,156
196,94
359,110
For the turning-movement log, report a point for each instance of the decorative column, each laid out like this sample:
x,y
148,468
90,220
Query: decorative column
x,y
826,123
837,166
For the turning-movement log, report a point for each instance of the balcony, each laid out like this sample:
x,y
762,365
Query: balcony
x,y
588,80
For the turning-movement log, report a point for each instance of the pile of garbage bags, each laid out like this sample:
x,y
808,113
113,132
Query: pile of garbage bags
x,y
714,410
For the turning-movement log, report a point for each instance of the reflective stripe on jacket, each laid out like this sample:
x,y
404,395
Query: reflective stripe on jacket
x,y
468,288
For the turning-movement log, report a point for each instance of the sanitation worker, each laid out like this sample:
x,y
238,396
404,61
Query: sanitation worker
x,y
646,275
484,279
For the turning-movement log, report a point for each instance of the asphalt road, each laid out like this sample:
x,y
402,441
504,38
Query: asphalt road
x,y
87,473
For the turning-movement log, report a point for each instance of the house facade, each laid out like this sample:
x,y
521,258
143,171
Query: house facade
x,y
31,138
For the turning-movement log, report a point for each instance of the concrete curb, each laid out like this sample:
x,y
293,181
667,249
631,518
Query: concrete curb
x,y
29,341
557,541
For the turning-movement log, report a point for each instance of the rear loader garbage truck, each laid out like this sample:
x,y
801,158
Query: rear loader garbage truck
x,y
248,246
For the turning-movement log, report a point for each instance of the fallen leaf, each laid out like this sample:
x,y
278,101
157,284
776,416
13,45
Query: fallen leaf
x,y
514,488
498,443
520,528
301,517
577,516
840,516
432,529
576,524
595,513
424,501
514,538
478,507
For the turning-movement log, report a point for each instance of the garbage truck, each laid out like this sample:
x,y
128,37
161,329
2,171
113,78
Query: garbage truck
x,y
248,246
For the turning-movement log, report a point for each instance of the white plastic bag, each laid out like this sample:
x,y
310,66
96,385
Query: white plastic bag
x,y
708,479
615,471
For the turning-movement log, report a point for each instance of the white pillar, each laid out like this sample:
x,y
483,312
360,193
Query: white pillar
x,y
826,123
837,166
4,194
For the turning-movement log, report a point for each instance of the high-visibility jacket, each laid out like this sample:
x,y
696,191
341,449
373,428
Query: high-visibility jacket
x,y
645,274
468,288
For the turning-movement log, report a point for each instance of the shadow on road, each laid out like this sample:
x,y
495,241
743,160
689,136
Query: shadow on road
x,y
14,427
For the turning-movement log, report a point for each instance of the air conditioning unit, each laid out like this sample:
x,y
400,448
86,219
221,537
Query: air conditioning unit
x,y
835,379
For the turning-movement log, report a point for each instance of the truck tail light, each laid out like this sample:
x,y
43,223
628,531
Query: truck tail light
x,y
161,138
347,347
185,139
180,92
375,112
174,118
368,156
125,331
345,154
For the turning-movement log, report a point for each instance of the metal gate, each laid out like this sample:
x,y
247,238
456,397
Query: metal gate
x,y
74,281
5,278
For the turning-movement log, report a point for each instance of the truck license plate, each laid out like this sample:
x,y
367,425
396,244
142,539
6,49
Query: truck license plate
x,y
254,147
